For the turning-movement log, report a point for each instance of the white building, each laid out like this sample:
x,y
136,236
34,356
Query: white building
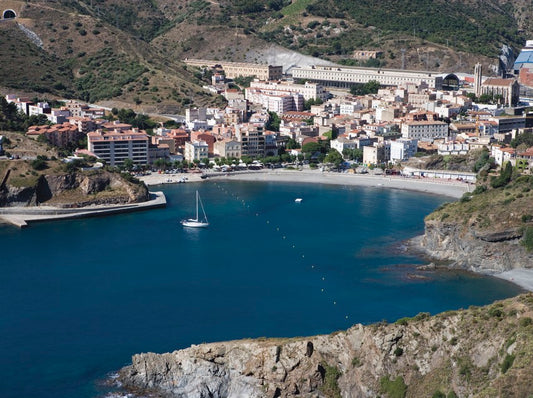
x,y
453,148
402,149
346,76
425,130
341,143
196,150
308,90
252,139
376,154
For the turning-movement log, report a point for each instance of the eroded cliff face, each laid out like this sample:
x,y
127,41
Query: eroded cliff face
x,y
467,352
469,248
74,190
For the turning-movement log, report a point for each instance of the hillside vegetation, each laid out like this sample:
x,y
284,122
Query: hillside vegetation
x,y
131,51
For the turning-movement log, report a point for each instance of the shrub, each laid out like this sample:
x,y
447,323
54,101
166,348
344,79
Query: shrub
x,y
398,351
438,394
330,387
39,164
393,388
527,239
526,321
507,363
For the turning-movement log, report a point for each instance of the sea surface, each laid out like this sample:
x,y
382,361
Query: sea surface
x,y
78,298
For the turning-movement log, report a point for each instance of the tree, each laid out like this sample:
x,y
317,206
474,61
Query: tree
x,y
274,122
334,157
370,87
292,144
128,164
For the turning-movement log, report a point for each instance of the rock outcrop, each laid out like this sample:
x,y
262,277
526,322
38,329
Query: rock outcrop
x,y
468,248
475,352
74,190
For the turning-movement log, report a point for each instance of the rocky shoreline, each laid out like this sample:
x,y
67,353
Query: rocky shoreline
x,y
460,351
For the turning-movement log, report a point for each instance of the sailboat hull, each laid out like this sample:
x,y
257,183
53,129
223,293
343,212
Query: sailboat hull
x,y
194,224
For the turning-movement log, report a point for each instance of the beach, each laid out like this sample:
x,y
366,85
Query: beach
x,y
453,189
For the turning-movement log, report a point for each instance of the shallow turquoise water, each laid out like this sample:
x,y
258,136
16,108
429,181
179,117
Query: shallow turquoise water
x,y
80,297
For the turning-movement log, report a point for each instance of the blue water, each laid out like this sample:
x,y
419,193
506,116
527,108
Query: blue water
x,y
78,298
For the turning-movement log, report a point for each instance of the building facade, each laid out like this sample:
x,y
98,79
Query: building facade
x,y
424,130
116,146
196,150
348,76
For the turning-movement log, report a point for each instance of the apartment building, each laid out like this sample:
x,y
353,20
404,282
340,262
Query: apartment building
x,y
228,148
402,149
252,139
196,150
115,146
61,135
376,154
424,130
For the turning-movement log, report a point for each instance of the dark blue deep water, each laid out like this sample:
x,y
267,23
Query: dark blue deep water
x,y
78,298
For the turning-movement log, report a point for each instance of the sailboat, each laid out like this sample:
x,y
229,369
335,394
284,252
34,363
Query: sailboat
x,y
196,222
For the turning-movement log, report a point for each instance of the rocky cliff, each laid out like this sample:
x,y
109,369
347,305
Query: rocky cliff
x,y
482,351
75,189
488,230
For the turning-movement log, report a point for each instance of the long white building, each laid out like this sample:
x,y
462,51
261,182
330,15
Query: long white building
x,y
344,76
309,90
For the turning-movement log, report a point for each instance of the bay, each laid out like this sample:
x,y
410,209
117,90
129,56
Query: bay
x,y
80,297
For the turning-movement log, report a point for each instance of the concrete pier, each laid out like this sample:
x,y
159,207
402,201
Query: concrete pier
x,y
23,216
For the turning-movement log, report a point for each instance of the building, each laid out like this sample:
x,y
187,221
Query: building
x,y
376,154
342,143
478,70
505,124
507,89
252,139
61,135
309,90
196,150
402,149
344,76
236,69
228,148
453,148
424,130
116,146
523,65
365,55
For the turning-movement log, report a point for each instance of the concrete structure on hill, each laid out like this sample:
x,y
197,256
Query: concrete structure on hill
x,y
116,146
344,76
236,69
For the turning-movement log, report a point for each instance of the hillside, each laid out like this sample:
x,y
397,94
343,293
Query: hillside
x,y
131,51
479,352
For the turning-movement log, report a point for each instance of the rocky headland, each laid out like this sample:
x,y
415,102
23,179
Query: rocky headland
x,y
481,352
68,189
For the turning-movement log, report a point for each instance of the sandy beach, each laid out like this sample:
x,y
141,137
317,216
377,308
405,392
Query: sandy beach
x,y
453,189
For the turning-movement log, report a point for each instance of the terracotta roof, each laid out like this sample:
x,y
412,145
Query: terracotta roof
x,y
492,81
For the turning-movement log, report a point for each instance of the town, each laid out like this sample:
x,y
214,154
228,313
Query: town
x,y
338,116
